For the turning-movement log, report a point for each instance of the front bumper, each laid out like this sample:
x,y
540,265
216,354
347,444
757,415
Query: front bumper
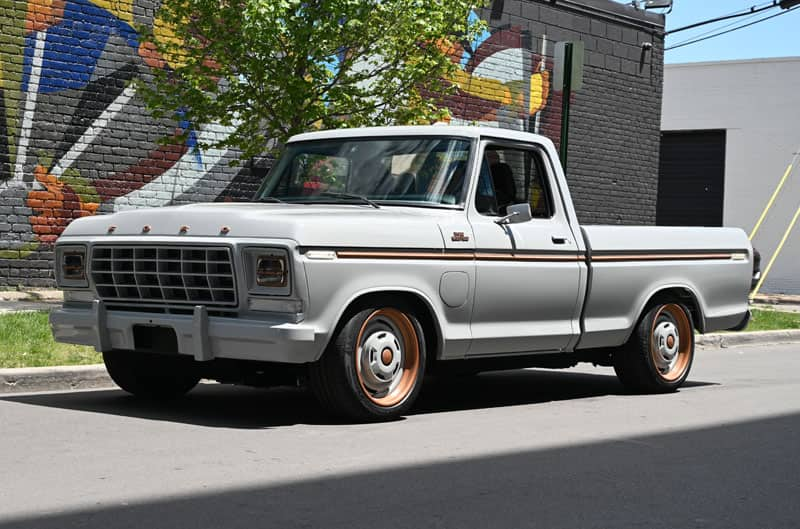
x,y
199,335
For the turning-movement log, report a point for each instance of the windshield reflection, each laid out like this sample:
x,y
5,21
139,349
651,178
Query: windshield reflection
x,y
415,171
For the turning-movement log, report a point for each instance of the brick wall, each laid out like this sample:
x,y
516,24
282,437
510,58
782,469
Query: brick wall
x,y
615,118
75,139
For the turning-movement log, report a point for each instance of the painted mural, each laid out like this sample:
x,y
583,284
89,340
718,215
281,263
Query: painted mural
x,y
503,81
75,139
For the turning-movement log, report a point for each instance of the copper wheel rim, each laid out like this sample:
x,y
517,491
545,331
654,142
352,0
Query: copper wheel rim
x,y
387,357
671,342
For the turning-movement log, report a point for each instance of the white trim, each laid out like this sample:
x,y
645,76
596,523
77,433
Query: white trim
x,y
93,131
30,109
182,176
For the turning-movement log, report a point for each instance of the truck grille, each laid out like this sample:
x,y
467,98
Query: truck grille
x,y
164,274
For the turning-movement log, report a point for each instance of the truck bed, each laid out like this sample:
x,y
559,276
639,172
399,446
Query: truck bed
x,y
629,264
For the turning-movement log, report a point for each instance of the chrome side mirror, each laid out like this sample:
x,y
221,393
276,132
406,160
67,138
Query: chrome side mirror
x,y
516,213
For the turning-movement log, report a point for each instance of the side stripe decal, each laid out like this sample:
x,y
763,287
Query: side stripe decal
x,y
494,255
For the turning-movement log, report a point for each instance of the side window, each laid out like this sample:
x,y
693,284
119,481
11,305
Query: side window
x,y
510,175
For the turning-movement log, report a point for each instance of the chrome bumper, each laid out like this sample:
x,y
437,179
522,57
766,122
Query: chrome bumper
x,y
199,335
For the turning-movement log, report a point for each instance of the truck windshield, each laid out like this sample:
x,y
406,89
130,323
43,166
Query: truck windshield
x,y
428,171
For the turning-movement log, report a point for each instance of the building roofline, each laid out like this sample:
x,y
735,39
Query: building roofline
x,y
734,61
610,11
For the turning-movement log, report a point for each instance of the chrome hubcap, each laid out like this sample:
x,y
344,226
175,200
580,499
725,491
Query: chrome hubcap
x,y
667,344
381,360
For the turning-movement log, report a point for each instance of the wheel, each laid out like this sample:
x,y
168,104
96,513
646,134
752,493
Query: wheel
x,y
151,376
373,368
659,354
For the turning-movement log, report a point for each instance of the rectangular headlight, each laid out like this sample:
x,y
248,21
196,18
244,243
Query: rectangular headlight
x,y
272,271
71,266
269,271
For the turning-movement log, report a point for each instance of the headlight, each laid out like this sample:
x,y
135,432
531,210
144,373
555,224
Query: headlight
x,y
271,271
268,271
71,266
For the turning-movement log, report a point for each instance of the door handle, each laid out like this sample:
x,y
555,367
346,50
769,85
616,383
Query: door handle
x,y
559,240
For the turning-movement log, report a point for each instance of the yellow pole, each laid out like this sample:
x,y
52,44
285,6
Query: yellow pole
x,y
777,252
771,200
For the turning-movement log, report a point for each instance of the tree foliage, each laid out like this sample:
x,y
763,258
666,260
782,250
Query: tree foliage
x,y
268,69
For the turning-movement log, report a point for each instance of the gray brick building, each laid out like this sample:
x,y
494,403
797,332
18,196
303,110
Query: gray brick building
x,y
76,140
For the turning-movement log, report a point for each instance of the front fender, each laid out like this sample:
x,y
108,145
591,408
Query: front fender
x,y
334,285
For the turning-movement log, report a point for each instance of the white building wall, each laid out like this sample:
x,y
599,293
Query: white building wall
x,y
758,103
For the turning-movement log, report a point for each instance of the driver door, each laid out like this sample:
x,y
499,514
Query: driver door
x,y
528,273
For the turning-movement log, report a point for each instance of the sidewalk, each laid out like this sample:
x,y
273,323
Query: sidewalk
x,y
71,378
29,299
91,377
45,299
784,302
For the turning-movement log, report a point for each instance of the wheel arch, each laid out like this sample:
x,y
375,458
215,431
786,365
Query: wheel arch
x,y
682,293
422,307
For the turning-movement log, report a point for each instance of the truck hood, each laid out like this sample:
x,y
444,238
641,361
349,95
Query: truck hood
x,y
308,225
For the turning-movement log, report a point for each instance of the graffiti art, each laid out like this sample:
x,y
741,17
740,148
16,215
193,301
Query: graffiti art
x,y
502,81
74,137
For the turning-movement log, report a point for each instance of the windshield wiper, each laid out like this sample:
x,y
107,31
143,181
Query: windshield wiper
x,y
348,196
270,199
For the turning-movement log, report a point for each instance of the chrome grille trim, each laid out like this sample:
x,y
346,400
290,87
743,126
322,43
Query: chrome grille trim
x,y
170,275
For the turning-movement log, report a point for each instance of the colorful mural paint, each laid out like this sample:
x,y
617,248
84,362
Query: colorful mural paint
x,y
74,138
502,81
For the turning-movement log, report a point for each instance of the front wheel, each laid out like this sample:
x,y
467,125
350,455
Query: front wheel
x,y
151,376
659,354
373,368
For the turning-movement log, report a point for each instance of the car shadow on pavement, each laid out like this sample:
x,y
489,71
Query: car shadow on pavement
x,y
226,406
737,475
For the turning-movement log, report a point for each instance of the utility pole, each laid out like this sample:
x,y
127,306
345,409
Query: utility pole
x,y
567,77
566,95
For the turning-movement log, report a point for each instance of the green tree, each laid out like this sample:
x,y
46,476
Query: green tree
x,y
269,69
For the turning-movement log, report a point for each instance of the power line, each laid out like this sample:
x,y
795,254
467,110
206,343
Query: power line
x,y
714,30
752,10
731,30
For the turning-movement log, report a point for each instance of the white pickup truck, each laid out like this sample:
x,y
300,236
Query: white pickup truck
x,y
372,256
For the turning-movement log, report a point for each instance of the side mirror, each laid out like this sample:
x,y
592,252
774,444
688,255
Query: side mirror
x,y
516,213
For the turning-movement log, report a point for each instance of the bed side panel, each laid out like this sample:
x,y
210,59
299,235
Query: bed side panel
x,y
631,264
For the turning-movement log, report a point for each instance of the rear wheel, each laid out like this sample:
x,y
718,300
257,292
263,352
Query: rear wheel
x,y
151,376
659,354
373,368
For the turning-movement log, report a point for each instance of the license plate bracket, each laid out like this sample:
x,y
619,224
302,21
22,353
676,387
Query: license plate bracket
x,y
155,339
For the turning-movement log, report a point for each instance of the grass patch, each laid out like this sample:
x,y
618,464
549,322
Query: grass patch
x,y
773,320
26,341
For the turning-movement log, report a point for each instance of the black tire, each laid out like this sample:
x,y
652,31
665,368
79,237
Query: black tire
x,y
349,387
660,352
151,376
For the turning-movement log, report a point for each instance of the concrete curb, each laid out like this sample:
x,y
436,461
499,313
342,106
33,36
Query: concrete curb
x,y
723,340
67,378
62,378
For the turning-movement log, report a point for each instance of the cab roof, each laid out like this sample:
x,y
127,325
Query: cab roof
x,y
472,132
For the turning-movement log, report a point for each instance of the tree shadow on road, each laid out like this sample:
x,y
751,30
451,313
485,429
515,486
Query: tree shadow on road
x,y
216,405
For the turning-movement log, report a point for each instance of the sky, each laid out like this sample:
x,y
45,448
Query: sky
x,y
778,37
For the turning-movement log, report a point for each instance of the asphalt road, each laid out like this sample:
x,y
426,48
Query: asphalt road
x,y
508,450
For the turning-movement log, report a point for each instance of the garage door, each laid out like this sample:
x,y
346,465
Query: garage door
x,y
691,180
